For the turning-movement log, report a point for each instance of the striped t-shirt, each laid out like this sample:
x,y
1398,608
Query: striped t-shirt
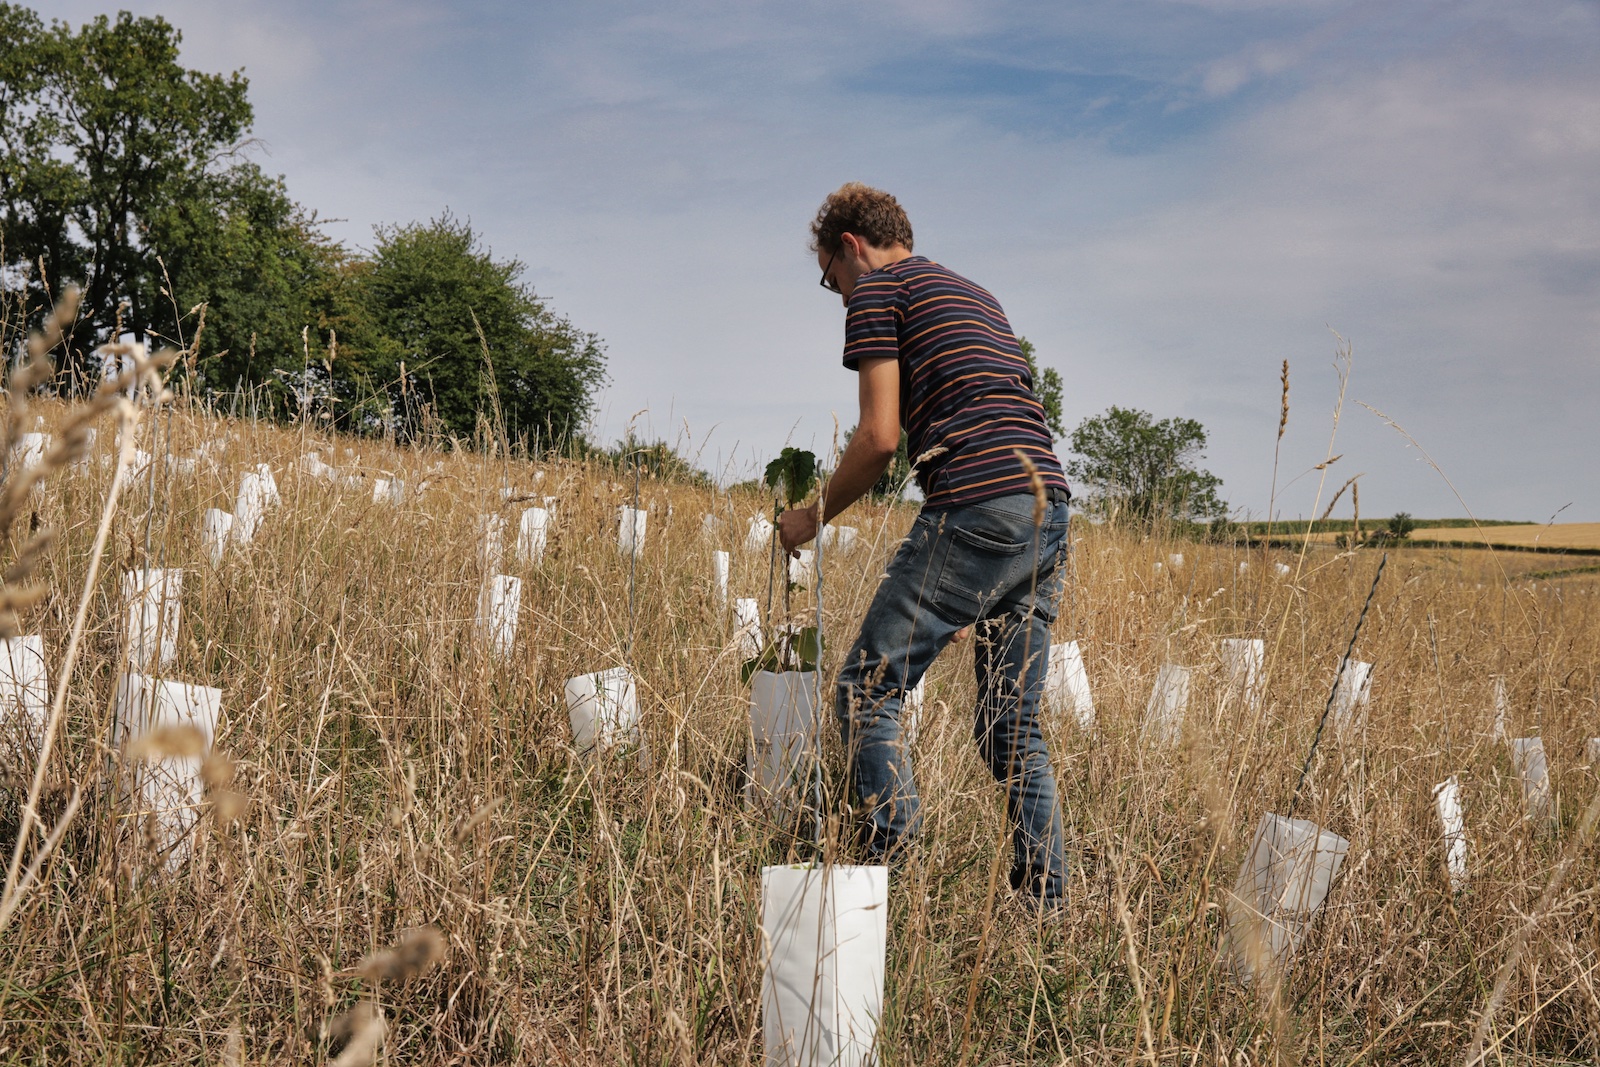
x,y
964,384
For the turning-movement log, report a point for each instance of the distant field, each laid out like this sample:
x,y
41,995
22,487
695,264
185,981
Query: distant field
x,y
1299,526
1579,535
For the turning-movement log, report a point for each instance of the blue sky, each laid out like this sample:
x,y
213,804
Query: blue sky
x,y
1169,198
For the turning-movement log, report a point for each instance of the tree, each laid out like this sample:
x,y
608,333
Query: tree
x,y
1144,470
1401,524
234,241
1047,387
447,312
99,130
653,459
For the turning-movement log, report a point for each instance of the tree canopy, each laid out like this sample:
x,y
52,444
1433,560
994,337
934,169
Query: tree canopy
x,y
1141,469
460,330
101,132
125,172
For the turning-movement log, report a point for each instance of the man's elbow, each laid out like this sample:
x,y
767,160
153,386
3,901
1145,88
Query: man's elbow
x,y
881,447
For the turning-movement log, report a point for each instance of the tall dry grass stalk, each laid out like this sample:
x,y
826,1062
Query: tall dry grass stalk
x,y
379,773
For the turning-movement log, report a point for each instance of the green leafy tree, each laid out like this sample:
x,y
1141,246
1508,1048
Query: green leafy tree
x,y
100,129
1047,387
446,312
272,282
655,459
1401,524
1141,469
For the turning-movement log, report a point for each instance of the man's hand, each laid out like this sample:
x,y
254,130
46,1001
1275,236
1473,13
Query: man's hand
x,y
797,526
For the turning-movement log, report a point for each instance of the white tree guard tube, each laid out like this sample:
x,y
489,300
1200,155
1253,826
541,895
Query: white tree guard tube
x,y
783,725
747,617
269,485
1175,559
1447,798
847,538
1591,752
311,463
166,789
1066,685
1350,696
708,526
532,533
1242,660
1281,569
250,506
153,599
492,530
389,490
1285,879
825,939
216,530
1527,756
603,709
1169,703
29,450
631,526
759,534
24,689
719,575
498,604
803,568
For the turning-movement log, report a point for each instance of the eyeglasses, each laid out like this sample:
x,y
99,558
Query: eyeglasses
x,y
827,282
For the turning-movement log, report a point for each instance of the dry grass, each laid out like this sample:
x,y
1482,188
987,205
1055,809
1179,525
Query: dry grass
x,y
1555,535
385,777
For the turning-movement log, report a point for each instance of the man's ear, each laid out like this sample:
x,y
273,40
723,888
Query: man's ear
x,y
851,243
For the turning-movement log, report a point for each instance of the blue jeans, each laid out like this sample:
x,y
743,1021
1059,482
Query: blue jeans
x,y
985,565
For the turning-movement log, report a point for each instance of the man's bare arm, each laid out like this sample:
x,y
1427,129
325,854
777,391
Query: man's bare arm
x,y
865,458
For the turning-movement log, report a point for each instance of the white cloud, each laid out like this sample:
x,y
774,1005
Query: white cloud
x,y
1438,214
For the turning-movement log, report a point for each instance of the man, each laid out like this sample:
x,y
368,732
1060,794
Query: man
x,y
934,354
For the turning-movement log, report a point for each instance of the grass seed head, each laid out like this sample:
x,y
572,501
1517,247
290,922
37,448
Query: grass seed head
x,y
417,952
182,741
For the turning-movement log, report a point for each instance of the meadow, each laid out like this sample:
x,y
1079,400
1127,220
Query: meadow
x,y
378,772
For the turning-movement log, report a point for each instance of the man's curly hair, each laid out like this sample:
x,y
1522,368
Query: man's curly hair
x,y
871,214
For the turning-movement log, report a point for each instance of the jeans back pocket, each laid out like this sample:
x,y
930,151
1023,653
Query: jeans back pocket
x,y
978,569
